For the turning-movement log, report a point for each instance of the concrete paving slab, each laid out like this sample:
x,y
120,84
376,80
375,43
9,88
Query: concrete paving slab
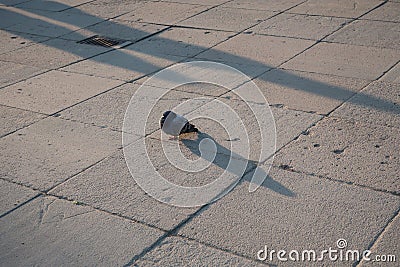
x,y
175,251
288,123
180,42
13,195
10,41
299,26
108,109
388,12
386,246
378,104
14,72
58,232
227,19
354,152
340,8
120,29
262,4
392,75
58,5
247,52
271,217
52,54
47,23
163,12
345,60
369,33
106,9
123,64
52,150
54,91
13,119
109,186
311,92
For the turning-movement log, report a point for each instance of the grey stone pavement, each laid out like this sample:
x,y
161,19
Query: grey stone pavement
x,y
329,70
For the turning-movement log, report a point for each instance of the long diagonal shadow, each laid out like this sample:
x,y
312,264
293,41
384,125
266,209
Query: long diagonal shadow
x,y
224,155
141,66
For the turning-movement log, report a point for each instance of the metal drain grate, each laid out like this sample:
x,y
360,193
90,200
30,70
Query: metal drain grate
x,y
105,41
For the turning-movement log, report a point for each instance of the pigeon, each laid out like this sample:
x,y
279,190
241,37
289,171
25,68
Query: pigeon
x,y
175,124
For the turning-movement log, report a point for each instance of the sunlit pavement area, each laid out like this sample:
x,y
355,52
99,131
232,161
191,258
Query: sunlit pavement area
x,y
328,69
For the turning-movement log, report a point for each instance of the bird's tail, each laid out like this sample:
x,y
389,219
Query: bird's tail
x,y
189,128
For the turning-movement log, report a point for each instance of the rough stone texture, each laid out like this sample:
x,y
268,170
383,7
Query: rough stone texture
x,y
108,110
228,19
180,42
13,195
53,91
57,232
386,244
123,64
52,54
305,91
58,5
52,150
299,26
369,33
345,60
163,12
392,75
289,211
109,186
340,8
47,23
120,29
363,154
248,52
175,251
14,72
379,104
10,41
288,124
387,12
12,119
263,4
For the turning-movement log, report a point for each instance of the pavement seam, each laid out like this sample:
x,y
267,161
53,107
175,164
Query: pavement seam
x,y
323,177
327,35
379,235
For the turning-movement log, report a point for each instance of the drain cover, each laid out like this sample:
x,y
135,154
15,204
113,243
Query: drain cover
x,y
105,41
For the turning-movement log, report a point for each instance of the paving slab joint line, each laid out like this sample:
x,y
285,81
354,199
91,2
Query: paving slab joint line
x,y
48,194
329,34
171,232
77,173
35,75
380,234
291,169
383,74
20,205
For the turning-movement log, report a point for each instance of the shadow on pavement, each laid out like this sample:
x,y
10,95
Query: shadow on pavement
x,y
224,155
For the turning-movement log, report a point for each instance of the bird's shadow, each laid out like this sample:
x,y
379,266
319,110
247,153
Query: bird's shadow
x,y
222,158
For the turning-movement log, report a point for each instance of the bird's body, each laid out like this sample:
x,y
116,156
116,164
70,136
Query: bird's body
x,y
175,124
